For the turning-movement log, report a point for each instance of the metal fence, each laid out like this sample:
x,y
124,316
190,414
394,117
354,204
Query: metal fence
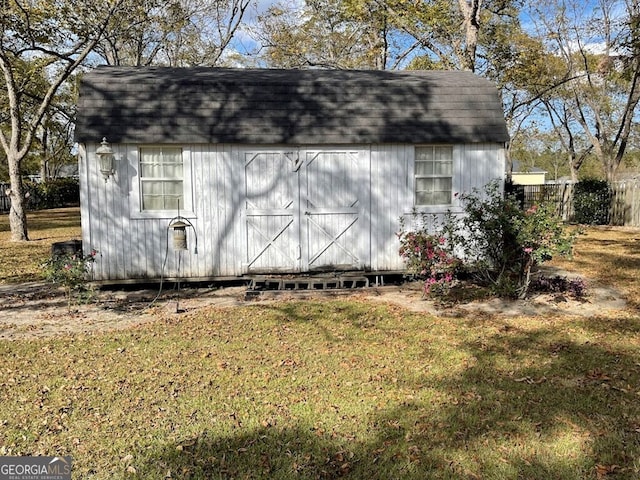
x,y
623,208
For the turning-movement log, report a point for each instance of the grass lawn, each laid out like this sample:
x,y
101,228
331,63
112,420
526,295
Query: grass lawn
x,y
20,262
340,388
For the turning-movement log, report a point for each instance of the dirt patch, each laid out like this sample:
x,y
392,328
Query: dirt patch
x,y
40,310
599,301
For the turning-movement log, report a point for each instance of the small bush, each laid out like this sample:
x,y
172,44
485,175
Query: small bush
x,y
591,202
70,271
576,288
505,244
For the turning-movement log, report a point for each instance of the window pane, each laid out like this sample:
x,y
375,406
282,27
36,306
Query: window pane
x,y
441,198
151,187
424,168
151,202
424,154
152,170
443,153
423,198
172,171
172,155
442,184
424,184
151,155
173,188
172,203
443,168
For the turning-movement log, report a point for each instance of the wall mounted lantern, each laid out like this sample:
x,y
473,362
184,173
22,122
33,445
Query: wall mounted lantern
x,y
178,225
106,159
179,235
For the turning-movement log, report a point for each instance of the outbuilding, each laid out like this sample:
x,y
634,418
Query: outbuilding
x,y
273,171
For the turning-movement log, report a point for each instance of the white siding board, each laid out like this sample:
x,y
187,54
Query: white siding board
x,y
201,172
231,242
203,203
217,206
86,203
234,247
120,221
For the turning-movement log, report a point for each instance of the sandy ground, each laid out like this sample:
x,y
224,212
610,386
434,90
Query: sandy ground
x,y
39,310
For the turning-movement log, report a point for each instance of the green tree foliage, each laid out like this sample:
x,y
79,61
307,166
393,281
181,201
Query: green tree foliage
x,y
42,43
53,193
591,202
385,34
324,33
172,33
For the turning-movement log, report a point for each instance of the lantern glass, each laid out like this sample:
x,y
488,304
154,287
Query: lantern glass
x,y
105,158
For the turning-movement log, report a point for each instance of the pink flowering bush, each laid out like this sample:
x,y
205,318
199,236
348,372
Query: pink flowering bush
x,y
495,242
70,271
428,257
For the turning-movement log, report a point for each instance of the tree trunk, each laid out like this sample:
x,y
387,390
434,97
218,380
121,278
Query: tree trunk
x,y
471,24
44,161
573,169
610,169
17,212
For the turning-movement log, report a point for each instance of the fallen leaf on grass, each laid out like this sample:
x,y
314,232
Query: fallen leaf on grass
x,y
604,470
598,374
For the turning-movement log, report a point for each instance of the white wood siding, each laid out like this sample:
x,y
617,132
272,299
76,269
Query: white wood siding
x,y
349,201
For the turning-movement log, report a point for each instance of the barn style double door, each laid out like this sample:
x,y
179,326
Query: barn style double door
x,y
306,210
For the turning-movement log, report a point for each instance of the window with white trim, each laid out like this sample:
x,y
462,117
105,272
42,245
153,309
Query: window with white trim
x,y
161,179
433,175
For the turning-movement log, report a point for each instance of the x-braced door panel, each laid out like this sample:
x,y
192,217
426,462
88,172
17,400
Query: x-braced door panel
x,y
271,206
335,192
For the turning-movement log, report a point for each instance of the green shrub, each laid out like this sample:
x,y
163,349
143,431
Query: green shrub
x,y
591,202
495,240
504,243
53,193
71,271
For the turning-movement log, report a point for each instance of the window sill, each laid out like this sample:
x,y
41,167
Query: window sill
x,y
436,209
161,215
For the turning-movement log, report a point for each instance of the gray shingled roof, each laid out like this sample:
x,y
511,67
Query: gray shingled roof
x,y
211,105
